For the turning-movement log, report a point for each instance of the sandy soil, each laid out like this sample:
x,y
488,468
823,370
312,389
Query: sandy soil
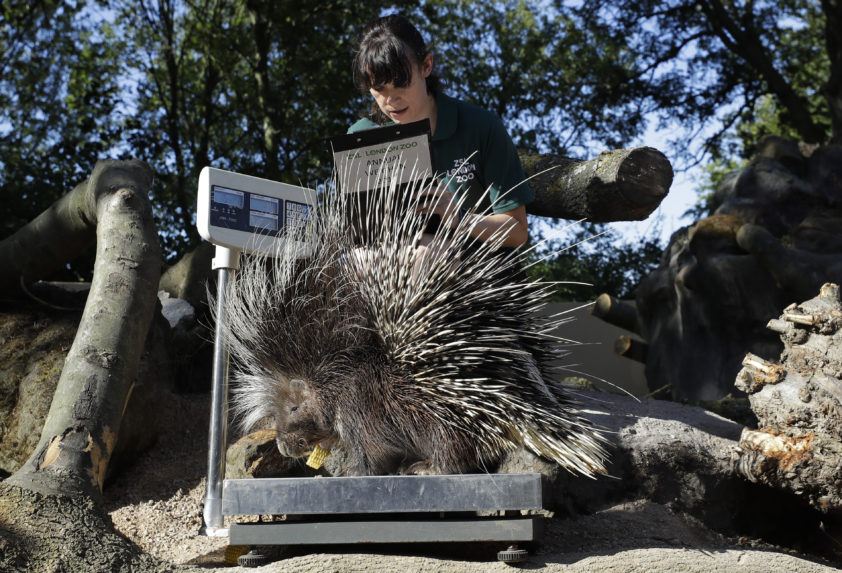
x,y
157,503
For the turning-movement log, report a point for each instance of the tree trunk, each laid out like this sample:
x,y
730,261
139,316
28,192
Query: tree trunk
x,y
41,532
56,493
619,185
262,42
833,44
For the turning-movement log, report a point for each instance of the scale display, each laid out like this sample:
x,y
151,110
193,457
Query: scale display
x,y
248,213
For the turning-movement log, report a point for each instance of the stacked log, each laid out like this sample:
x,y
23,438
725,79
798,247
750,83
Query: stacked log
x,y
798,403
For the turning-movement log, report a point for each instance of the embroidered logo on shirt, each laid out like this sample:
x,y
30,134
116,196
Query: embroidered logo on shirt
x,y
463,171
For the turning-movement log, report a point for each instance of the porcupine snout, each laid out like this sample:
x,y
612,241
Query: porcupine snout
x,y
298,440
298,421
292,445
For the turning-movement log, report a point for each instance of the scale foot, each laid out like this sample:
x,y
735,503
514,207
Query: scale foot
x,y
512,555
252,559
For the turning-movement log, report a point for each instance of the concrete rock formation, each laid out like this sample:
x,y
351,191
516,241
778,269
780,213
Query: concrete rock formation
x,y
774,237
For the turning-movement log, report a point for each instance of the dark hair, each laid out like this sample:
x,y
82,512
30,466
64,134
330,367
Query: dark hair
x,y
388,49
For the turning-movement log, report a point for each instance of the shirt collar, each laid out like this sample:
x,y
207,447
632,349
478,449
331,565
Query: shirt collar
x,y
445,117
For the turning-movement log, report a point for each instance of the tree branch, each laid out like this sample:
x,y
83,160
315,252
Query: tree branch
x,y
621,185
84,420
745,43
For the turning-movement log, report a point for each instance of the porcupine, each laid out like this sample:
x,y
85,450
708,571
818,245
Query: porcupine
x,y
412,360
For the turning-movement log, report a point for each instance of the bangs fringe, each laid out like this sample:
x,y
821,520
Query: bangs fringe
x,y
387,61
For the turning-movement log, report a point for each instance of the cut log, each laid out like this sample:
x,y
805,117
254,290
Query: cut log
x,y
619,185
631,348
616,312
81,429
48,242
59,486
190,276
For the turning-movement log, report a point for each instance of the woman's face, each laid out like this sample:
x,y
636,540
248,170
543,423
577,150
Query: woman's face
x,y
408,103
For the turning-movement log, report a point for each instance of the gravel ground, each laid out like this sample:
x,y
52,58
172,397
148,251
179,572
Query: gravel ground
x,y
157,504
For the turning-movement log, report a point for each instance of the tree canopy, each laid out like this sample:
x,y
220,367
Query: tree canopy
x,y
256,86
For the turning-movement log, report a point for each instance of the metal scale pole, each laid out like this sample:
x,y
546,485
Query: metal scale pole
x,y
226,262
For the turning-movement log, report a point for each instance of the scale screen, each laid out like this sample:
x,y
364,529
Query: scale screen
x,y
228,197
251,214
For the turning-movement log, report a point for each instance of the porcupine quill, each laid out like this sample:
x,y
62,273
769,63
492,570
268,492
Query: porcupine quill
x,y
417,360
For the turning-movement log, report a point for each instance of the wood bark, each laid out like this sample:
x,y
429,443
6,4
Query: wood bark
x,y
58,489
800,272
41,532
619,185
798,402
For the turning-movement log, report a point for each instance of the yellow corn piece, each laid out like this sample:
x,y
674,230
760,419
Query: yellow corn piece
x,y
317,457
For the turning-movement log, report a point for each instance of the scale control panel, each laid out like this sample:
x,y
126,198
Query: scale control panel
x,y
249,213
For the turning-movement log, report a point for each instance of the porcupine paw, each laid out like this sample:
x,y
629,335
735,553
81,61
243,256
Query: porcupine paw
x,y
420,468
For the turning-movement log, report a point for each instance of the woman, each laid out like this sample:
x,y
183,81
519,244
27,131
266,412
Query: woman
x,y
471,149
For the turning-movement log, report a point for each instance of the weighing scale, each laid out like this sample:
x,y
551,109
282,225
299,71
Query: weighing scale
x,y
242,213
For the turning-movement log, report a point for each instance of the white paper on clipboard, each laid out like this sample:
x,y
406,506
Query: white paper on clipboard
x,y
367,159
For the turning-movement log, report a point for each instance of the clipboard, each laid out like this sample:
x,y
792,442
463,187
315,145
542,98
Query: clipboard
x,y
367,162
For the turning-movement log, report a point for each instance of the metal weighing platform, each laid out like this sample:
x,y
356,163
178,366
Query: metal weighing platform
x,y
237,212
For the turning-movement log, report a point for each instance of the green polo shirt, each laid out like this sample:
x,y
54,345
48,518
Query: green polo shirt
x,y
472,151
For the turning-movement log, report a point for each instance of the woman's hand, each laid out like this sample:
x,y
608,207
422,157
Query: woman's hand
x,y
440,202
512,224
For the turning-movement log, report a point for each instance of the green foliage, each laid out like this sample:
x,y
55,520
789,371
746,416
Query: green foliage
x,y
59,97
174,83
556,79
712,65
252,86
804,61
256,85
595,255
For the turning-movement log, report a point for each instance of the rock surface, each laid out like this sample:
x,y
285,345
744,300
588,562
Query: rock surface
x,y
774,237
